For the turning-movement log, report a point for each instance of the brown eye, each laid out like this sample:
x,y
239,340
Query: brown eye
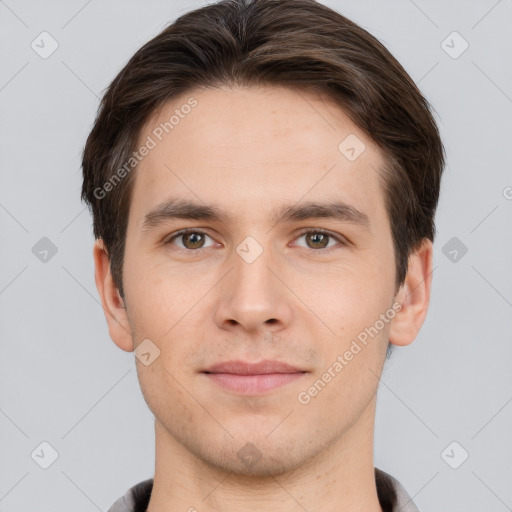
x,y
317,240
322,241
190,240
193,240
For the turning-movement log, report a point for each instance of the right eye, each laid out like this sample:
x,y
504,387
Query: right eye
x,y
191,239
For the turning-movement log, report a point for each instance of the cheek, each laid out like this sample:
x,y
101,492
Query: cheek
x,y
347,379
161,389
348,301
160,298
336,397
356,306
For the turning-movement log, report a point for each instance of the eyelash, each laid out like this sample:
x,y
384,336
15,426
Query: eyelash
x,y
302,233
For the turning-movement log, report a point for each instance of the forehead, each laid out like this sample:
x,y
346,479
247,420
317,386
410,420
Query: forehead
x,y
255,146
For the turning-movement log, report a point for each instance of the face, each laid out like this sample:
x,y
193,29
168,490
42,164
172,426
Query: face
x,y
288,261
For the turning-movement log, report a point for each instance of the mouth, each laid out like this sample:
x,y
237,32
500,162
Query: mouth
x,y
247,378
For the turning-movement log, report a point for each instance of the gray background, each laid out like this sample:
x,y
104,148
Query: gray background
x,y
64,382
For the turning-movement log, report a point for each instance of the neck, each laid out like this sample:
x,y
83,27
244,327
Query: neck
x,y
339,478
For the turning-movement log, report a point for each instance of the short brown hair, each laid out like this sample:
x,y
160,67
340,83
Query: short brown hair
x,y
299,44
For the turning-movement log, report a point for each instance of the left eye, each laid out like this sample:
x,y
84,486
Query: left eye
x,y
195,239
318,239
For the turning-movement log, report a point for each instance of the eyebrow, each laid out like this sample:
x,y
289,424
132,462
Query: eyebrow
x,y
190,210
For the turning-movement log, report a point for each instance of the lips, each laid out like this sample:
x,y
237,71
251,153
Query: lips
x,y
244,378
245,368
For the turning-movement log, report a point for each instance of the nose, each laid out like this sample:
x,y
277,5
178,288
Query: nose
x,y
253,296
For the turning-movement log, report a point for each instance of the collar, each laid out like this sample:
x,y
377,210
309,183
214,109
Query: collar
x,y
392,496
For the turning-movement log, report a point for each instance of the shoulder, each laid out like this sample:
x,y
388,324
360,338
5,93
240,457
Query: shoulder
x,y
392,495
136,499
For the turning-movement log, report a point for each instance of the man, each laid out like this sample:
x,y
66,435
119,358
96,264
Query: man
x,y
263,178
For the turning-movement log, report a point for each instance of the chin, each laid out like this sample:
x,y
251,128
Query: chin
x,y
257,458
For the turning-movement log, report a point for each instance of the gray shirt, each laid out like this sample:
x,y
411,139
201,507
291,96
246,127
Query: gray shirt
x,y
392,496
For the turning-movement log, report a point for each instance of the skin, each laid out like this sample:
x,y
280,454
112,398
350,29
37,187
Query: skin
x,y
249,151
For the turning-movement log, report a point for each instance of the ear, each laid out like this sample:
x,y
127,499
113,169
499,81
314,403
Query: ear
x,y
414,296
113,305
